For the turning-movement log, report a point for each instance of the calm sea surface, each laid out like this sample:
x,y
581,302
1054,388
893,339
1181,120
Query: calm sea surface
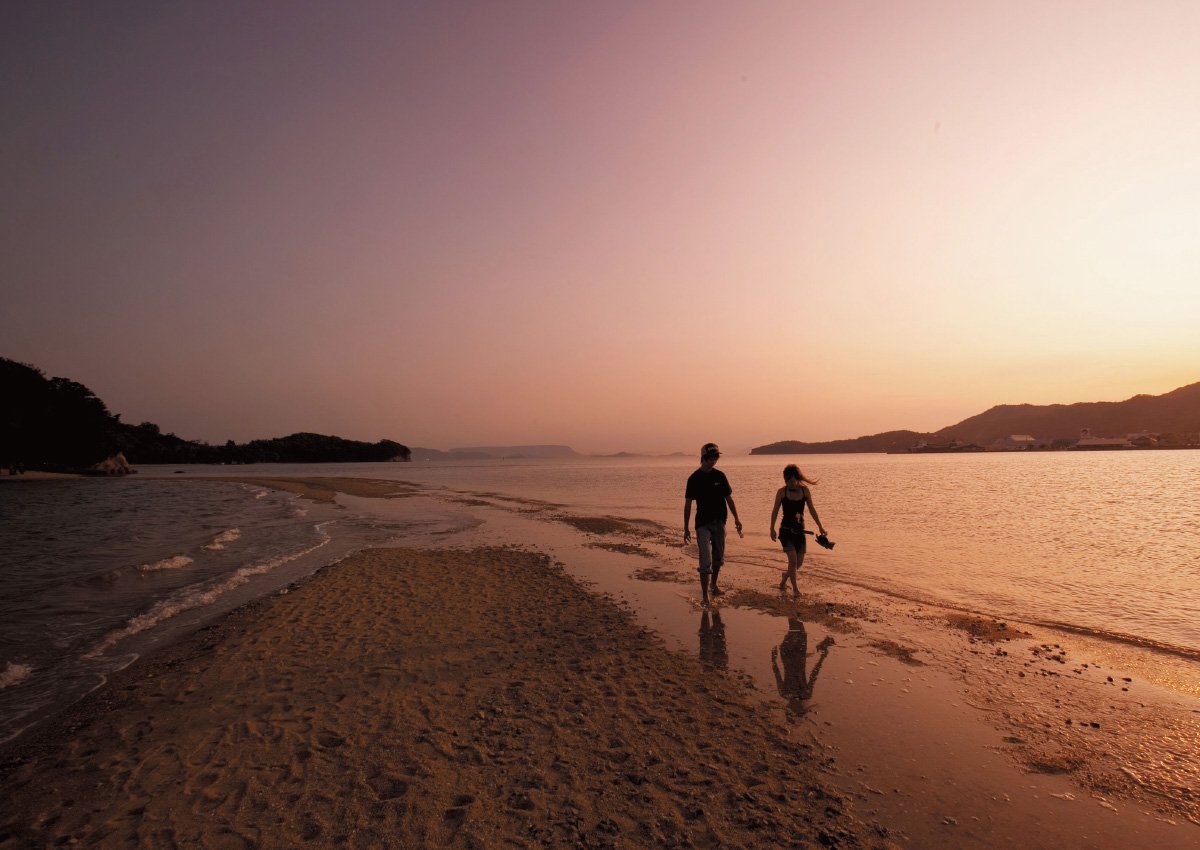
x,y
94,572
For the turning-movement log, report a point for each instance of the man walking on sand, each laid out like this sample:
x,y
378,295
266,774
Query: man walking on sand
x,y
710,490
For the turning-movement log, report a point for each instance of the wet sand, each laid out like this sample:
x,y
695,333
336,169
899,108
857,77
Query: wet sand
x,y
34,475
949,728
448,694
419,698
327,489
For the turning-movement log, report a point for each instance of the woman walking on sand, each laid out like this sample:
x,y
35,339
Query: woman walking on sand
x,y
792,497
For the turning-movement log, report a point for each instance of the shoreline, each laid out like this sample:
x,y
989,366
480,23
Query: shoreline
x,y
406,697
35,475
946,733
1027,761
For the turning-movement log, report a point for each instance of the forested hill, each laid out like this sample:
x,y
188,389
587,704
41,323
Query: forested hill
x,y
56,423
1175,413
891,441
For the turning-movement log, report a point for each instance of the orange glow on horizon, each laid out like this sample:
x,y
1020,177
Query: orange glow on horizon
x,y
618,227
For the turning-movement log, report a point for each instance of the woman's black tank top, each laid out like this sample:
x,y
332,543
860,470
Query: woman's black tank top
x,y
793,512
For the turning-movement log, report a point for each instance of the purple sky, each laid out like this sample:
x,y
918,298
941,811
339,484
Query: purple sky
x,y
621,226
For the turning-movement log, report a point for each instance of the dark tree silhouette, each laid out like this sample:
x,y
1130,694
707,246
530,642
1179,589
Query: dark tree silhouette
x,y
56,423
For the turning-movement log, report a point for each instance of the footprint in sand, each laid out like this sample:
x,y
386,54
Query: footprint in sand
x,y
389,787
329,740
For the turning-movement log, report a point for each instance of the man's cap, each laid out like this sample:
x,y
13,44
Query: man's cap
x,y
710,450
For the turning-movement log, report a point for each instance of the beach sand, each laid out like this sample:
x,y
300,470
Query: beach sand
x,y
522,676
417,698
35,475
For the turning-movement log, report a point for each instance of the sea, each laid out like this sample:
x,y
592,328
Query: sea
x,y
94,573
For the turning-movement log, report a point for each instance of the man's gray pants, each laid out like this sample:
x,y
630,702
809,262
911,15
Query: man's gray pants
x,y
710,537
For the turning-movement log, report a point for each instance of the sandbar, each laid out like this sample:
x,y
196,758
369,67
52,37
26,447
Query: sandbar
x,y
37,475
472,697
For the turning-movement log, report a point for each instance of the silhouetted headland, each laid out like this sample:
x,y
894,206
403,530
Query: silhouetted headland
x,y
57,424
1171,420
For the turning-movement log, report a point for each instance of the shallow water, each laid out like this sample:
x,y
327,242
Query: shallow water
x,y
1031,538
1105,543
976,734
95,572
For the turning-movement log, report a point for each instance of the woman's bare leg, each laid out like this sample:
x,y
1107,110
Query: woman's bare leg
x,y
791,570
795,562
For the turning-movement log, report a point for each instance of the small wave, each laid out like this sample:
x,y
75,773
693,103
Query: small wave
x,y
260,494
108,576
1121,637
14,674
224,537
175,563
198,596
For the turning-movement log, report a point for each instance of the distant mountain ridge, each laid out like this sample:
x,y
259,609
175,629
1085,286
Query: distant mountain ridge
x,y
495,453
889,441
1176,412
521,452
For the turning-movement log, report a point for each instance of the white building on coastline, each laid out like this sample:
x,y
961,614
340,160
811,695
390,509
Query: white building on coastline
x,y
1014,443
1088,442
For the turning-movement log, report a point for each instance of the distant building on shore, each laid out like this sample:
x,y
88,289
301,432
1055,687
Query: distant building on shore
x,y
1016,443
955,446
1087,442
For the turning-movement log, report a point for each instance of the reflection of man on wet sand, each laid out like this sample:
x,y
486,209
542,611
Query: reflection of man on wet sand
x,y
792,684
713,652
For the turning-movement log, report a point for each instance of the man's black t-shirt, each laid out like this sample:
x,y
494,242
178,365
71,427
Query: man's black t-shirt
x,y
709,489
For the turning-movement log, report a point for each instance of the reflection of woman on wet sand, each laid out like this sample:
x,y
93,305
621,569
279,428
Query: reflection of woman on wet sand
x,y
792,497
792,684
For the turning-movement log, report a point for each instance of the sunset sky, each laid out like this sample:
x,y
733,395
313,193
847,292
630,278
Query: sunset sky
x,y
614,225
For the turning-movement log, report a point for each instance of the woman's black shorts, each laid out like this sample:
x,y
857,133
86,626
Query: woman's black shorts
x,y
792,539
